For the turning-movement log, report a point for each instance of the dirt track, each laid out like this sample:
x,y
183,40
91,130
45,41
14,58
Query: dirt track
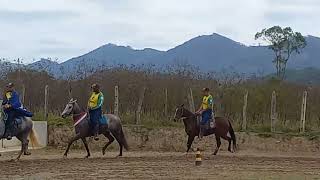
x,y
48,164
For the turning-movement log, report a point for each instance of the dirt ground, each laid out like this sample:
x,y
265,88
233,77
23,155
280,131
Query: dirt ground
x,y
49,164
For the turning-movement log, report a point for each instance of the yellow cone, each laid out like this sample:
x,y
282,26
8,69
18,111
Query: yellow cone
x,y
198,157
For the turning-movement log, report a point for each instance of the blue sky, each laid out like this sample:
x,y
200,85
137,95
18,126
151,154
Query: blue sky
x,y
66,28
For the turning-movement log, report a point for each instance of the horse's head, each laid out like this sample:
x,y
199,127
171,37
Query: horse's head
x,y
180,112
68,110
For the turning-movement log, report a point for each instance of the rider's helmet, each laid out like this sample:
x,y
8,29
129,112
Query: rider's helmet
x,y
206,89
10,85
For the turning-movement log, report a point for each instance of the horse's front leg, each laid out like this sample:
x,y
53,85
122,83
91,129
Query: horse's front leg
x,y
190,141
75,138
86,146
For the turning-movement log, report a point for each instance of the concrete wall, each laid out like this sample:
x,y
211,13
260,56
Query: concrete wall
x,y
40,128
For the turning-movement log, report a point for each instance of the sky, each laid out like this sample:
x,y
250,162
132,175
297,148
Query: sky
x,y
62,29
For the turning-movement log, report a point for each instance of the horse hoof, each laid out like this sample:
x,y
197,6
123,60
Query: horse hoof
x,y
119,156
86,157
14,160
65,156
103,152
27,153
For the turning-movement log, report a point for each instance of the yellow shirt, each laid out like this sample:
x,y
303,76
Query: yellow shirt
x,y
207,102
96,100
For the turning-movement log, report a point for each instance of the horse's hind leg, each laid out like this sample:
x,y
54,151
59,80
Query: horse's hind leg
x,y
111,139
230,141
118,138
86,146
218,145
24,146
76,137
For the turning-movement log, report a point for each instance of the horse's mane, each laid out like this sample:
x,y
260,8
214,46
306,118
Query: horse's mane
x,y
188,112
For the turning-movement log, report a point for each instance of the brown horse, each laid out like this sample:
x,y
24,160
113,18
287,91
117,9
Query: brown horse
x,y
222,129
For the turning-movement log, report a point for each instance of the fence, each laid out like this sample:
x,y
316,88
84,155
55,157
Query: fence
x,y
248,107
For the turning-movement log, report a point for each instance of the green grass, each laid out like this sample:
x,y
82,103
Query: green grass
x,y
150,121
53,119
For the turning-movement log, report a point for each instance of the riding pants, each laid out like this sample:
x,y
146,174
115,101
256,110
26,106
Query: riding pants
x,y
95,116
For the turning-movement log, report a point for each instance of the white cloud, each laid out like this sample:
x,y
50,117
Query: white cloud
x,y
64,29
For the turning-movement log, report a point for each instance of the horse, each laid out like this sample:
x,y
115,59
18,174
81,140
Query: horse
x,y
83,130
222,129
24,129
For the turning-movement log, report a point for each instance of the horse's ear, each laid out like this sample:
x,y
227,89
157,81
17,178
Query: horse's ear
x,y
72,101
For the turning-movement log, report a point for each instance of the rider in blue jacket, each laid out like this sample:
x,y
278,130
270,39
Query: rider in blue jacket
x,y
13,108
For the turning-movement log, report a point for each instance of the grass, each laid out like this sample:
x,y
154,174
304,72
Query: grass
x,y
150,121
53,119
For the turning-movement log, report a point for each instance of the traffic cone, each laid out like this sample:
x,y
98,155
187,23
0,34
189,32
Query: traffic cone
x,y
198,157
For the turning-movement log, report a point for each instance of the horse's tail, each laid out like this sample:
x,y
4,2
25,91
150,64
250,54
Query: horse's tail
x,y
233,137
123,140
33,138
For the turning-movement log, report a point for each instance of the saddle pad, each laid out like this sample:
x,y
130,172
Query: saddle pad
x,y
104,120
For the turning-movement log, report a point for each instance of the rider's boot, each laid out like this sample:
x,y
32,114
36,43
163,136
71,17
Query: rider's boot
x,y
8,134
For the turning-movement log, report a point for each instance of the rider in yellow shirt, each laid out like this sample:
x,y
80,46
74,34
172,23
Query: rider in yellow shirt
x,y
95,109
205,110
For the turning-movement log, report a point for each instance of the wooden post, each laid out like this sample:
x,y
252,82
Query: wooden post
x,y
191,101
23,94
273,113
303,112
166,102
70,90
46,98
1,119
244,111
138,112
116,100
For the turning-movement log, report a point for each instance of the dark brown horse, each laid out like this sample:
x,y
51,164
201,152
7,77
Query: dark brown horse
x,y
222,129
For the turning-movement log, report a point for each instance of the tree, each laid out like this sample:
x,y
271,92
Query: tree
x,y
284,42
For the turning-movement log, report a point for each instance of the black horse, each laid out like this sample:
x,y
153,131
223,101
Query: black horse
x,y
222,129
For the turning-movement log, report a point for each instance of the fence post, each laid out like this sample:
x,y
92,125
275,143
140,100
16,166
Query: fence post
x,y
191,101
23,94
116,100
166,102
244,111
273,113
69,90
303,112
0,119
138,112
46,98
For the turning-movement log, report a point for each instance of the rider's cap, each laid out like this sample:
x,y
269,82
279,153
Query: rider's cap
x,y
205,89
10,85
95,86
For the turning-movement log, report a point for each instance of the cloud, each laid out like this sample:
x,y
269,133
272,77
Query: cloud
x,y
10,16
64,29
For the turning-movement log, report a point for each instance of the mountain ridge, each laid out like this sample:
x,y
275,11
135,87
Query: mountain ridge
x,y
212,52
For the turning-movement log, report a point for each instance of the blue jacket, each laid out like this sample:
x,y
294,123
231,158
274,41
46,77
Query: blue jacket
x,y
14,100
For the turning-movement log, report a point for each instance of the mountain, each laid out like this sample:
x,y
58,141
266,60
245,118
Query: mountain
x,y
208,52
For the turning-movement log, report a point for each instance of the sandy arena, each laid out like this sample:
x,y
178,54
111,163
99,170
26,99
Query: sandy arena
x,y
49,164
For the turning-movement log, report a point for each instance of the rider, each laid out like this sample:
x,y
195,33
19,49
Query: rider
x,y
205,110
11,105
95,109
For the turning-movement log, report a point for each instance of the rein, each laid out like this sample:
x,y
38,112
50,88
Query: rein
x,y
77,118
